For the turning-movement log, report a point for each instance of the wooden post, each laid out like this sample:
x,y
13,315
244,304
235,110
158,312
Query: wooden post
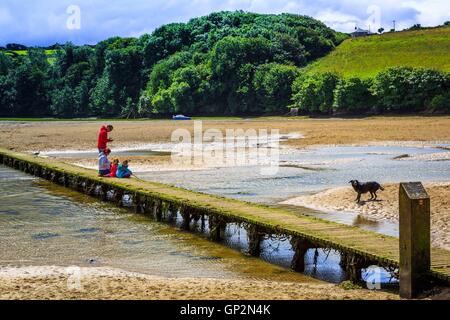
x,y
254,241
103,192
157,210
300,247
186,219
137,203
414,221
118,197
353,266
216,225
173,212
202,226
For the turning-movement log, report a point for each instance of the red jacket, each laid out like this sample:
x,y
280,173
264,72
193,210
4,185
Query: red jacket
x,y
103,138
113,171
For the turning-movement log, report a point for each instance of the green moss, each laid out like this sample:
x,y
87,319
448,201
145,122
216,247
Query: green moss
x,y
348,285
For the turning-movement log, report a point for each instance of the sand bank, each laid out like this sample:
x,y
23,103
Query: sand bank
x,y
52,282
342,199
82,135
437,156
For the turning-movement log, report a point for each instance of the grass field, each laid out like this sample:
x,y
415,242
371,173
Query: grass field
x,y
50,53
365,57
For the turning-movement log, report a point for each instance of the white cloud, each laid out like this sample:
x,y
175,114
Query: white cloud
x,y
44,22
338,20
430,11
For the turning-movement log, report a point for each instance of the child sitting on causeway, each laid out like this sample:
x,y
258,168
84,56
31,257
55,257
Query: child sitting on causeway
x,y
104,166
113,170
123,171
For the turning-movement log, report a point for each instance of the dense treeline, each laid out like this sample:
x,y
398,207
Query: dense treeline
x,y
227,63
224,63
398,90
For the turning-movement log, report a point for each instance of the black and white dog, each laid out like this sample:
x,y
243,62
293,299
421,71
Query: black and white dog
x,y
365,187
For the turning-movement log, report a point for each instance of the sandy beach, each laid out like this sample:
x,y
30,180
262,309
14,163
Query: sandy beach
x,y
79,135
342,199
63,136
52,282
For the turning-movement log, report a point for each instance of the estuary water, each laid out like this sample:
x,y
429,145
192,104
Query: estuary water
x,y
45,224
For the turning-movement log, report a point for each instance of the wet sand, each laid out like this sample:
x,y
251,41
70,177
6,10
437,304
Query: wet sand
x,y
51,282
342,199
81,135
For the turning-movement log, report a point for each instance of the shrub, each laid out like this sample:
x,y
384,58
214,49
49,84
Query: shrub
x,y
353,95
273,86
404,89
440,102
314,93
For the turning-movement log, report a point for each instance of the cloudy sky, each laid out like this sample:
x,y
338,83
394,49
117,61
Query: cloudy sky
x,y
45,22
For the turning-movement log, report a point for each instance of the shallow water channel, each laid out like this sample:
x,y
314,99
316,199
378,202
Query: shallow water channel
x,y
45,224
311,170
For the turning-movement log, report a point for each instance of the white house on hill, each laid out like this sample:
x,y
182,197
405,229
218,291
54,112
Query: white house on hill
x,y
360,33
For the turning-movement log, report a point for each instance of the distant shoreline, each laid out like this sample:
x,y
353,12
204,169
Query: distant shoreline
x,y
240,117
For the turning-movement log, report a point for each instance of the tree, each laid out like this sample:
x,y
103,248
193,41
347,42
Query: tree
x,y
273,86
5,64
101,97
207,65
16,46
162,102
440,103
233,62
316,45
123,68
314,93
353,95
162,72
305,95
404,89
63,102
416,26
27,84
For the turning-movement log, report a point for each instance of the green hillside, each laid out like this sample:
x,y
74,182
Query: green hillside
x,y
365,57
226,63
51,54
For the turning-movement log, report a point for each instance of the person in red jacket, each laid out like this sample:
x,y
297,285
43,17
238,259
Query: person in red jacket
x,y
103,137
113,170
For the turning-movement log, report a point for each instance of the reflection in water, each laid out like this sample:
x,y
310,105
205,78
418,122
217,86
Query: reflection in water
x,y
44,224
349,218
47,224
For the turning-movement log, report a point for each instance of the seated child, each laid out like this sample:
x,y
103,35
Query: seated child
x,y
113,170
123,171
104,165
